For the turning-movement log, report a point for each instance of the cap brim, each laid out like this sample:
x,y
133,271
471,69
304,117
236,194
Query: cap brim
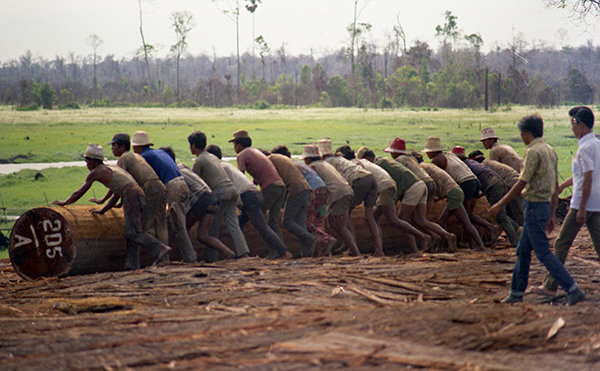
x,y
394,150
142,145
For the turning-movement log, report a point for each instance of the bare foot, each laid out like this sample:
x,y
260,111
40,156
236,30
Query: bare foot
x,y
425,242
329,247
378,253
452,242
353,251
244,256
286,255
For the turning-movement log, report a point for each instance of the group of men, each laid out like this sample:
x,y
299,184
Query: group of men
x,y
162,199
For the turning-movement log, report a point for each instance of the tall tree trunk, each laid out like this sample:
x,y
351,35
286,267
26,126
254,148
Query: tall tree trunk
x,y
145,46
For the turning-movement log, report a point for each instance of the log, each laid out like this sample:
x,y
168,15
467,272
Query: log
x,y
393,240
56,241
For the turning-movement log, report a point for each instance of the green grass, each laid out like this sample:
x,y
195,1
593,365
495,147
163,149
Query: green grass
x,y
48,136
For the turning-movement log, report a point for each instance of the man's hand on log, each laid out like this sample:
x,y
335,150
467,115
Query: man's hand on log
x,y
101,212
58,202
98,201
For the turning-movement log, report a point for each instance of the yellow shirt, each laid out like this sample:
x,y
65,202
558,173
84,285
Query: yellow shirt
x,y
540,171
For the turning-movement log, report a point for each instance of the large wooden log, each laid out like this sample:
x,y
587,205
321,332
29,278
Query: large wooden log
x,y
55,241
393,240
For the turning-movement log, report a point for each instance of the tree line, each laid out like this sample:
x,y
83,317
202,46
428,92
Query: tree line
x,y
361,74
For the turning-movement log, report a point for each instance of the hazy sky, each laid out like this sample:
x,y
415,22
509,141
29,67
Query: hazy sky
x,y
57,27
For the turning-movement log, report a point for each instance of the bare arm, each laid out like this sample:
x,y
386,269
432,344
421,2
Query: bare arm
x,y
586,189
553,204
565,184
514,192
100,201
78,193
111,203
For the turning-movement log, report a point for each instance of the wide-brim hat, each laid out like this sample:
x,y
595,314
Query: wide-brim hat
x,y
398,145
433,144
309,151
458,150
120,137
360,153
488,133
325,147
94,151
239,135
141,138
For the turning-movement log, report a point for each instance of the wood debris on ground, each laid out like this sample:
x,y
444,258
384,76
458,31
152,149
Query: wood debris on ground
x,y
430,311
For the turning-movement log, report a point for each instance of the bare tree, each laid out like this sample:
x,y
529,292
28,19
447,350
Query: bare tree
x,y
399,35
251,7
563,35
146,48
355,29
580,8
232,12
183,22
263,50
448,31
94,41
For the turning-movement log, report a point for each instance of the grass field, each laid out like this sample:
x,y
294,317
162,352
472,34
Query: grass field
x,y
49,136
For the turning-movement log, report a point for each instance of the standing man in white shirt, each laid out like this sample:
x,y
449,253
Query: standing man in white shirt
x,y
585,202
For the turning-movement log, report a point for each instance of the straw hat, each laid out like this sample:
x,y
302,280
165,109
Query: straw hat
x,y
433,144
141,138
239,135
325,147
94,151
310,150
361,152
488,133
458,150
397,146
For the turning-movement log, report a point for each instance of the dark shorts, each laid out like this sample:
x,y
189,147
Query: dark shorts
x,y
365,190
206,204
470,188
431,188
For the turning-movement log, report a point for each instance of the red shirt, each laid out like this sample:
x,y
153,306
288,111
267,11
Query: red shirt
x,y
258,166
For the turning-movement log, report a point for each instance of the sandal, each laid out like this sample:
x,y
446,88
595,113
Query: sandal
x,y
541,290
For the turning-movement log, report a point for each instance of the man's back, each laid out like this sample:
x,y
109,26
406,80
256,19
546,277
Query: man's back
x,y
137,166
507,155
540,171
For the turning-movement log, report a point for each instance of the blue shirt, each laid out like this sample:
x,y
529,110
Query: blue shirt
x,y
311,176
164,166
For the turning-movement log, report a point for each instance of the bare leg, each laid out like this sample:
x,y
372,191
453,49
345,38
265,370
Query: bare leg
x,y
340,225
203,230
420,216
474,237
374,228
424,240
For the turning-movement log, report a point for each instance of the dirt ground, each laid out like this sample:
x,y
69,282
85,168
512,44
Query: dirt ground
x,y
431,311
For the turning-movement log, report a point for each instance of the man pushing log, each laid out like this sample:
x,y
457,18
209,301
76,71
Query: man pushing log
x,y
125,188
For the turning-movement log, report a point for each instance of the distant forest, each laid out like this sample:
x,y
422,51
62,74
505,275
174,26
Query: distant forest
x,y
360,74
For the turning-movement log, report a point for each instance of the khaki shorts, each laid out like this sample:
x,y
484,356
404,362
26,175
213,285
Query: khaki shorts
x,y
416,194
387,197
341,206
455,198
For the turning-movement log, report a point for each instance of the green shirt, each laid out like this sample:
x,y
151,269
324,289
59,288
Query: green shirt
x,y
540,171
403,177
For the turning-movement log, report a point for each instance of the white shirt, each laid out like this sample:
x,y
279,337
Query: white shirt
x,y
587,159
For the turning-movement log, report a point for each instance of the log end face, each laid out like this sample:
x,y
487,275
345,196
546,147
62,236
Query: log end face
x,y
41,244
